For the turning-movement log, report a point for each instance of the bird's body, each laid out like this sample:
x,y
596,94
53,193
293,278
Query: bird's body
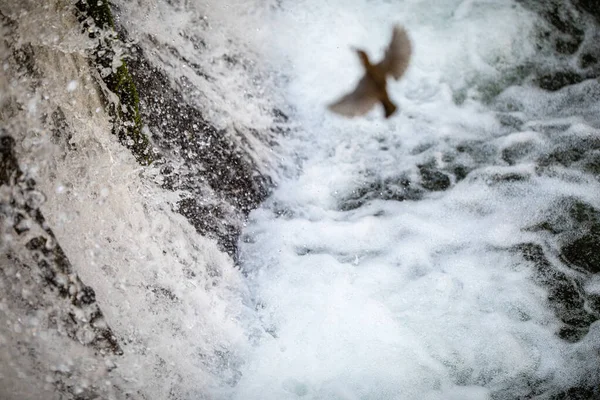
x,y
372,88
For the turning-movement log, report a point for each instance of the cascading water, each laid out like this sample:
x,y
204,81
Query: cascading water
x,y
445,253
392,267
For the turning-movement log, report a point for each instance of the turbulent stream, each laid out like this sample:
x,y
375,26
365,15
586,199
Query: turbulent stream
x,y
449,252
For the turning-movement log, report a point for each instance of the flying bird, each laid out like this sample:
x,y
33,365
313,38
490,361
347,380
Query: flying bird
x,y
372,87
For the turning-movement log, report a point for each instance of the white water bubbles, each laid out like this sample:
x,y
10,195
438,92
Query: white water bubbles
x,y
417,291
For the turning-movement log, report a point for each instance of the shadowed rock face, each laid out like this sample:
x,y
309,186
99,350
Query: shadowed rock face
x,y
221,184
96,19
574,227
36,278
33,250
565,35
564,294
565,58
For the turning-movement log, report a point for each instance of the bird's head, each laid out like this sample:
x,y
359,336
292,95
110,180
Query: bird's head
x,y
364,58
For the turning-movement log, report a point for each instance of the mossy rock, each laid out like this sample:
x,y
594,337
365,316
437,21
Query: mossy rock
x,y
127,124
99,11
129,130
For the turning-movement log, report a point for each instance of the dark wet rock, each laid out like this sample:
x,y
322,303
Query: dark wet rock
x,y
35,252
579,153
565,295
572,333
562,46
162,293
576,226
517,152
567,21
510,120
549,127
25,59
221,184
593,302
584,252
457,163
397,189
460,172
210,220
40,287
521,387
587,60
558,79
583,392
98,11
478,151
61,131
97,20
568,215
590,6
561,39
564,18
280,116
506,177
592,163
433,179
460,161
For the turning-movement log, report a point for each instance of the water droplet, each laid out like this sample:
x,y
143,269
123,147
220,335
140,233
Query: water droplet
x,y
72,86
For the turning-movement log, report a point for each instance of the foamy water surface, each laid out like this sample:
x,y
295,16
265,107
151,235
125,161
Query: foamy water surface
x,y
356,279
414,299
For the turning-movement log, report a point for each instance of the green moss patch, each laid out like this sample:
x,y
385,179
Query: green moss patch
x,y
97,19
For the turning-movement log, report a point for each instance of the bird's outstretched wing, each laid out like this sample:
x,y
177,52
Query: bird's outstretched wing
x,y
397,55
359,102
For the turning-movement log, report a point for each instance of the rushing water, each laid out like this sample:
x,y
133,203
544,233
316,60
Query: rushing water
x,y
384,264
367,297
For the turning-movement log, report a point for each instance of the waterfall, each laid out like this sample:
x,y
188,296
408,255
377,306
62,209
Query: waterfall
x,y
182,218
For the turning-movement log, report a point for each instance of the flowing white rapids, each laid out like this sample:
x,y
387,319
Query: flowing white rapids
x,y
344,290
413,299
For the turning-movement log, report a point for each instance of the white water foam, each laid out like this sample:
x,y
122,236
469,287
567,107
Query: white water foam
x,y
390,300
170,296
413,299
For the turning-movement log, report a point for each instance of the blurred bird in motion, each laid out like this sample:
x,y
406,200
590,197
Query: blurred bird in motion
x,y
372,87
